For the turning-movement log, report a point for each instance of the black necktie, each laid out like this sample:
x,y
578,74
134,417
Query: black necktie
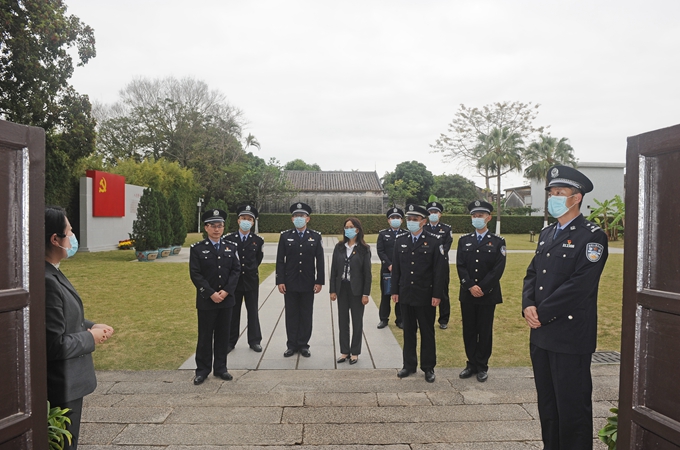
x,y
557,231
243,237
217,246
479,238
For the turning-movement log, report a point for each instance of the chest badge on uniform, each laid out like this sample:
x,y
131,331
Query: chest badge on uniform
x,y
404,245
468,244
311,239
291,240
594,251
442,231
568,244
424,243
206,251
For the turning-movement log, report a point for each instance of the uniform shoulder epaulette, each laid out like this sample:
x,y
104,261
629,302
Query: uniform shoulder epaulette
x,y
438,236
591,226
314,231
402,234
496,235
233,233
286,231
384,229
549,225
466,234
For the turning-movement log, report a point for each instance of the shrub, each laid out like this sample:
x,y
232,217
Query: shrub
x,y
146,228
177,223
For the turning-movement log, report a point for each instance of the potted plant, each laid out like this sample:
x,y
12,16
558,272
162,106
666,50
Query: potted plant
x,y
179,230
146,228
165,248
57,434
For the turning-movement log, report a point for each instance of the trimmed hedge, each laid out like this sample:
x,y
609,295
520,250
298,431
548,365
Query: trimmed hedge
x,y
333,223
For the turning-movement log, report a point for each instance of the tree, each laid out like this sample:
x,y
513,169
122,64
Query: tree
x,y
470,138
179,230
455,187
298,164
499,152
400,191
264,182
542,155
165,217
418,181
146,227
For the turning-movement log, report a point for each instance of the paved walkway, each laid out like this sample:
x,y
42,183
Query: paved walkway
x,y
352,408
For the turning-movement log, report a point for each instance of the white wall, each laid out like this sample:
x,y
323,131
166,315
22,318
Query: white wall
x,y
607,181
103,233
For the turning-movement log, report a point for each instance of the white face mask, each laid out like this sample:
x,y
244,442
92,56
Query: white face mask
x,y
479,223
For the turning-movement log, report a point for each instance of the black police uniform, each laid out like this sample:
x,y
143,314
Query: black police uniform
x,y
418,275
479,264
443,230
248,288
562,283
213,270
385,250
299,265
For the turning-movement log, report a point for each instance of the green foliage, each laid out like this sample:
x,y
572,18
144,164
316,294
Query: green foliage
x,y
372,223
410,182
57,433
610,215
518,211
146,228
165,219
609,432
298,164
455,187
167,177
177,223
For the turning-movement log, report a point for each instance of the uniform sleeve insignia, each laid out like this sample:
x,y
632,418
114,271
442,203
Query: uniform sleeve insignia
x,y
503,250
441,249
594,251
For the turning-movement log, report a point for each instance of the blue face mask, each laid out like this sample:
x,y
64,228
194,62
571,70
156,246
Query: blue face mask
x,y
245,225
557,205
74,246
299,222
479,223
434,218
350,233
395,223
413,225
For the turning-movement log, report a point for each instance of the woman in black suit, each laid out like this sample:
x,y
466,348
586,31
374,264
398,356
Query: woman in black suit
x,y
350,285
70,337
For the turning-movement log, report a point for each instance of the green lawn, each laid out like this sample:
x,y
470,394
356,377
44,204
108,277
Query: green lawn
x,y
152,308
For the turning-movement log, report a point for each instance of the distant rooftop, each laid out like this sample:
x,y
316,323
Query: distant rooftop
x,y
332,181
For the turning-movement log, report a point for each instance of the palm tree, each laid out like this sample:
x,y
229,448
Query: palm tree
x,y
499,152
544,154
251,141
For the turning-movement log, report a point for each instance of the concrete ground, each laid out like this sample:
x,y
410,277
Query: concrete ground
x,y
308,402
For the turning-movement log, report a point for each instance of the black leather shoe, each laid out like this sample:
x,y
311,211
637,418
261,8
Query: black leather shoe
x,y
354,361
229,349
443,326
288,353
429,376
226,376
482,376
305,352
382,324
400,325
256,348
199,379
467,372
403,373
342,359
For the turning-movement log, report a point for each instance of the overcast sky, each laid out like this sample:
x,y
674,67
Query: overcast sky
x,y
368,84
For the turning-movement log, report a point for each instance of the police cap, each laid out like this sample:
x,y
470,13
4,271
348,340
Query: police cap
x,y
300,207
480,206
416,210
435,206
564,176
214,215
247,210
394,211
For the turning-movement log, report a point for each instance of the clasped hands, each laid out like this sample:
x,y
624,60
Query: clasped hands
x,y
282,288
364,298
531,316
219,296
435,301
100,332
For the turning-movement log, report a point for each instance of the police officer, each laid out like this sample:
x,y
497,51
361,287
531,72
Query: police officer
x,y
480,261
385,249
214,268
250,251
559,302
418,281
435,210
299,275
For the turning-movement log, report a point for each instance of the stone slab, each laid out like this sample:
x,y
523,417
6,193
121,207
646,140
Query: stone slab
x,y
237,415
210,434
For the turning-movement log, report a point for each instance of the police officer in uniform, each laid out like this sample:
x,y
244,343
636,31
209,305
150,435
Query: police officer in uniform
x,y
559,302
480,261
418,281
435,211
299,275
250,251
214,268
385,249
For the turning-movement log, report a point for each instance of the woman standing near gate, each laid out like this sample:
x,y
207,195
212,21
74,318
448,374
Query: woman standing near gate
x,y
350,285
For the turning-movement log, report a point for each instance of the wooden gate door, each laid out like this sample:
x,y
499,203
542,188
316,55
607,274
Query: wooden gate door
x,y
649,406
23,385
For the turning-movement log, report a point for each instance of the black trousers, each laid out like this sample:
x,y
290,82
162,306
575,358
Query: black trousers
x,y
477,334
565,408
76,407
299,313
445,308
213,328
414,318
348,302
254,332
386,306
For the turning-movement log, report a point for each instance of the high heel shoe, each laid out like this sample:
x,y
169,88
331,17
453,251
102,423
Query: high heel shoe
x,y
343,358
354,360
